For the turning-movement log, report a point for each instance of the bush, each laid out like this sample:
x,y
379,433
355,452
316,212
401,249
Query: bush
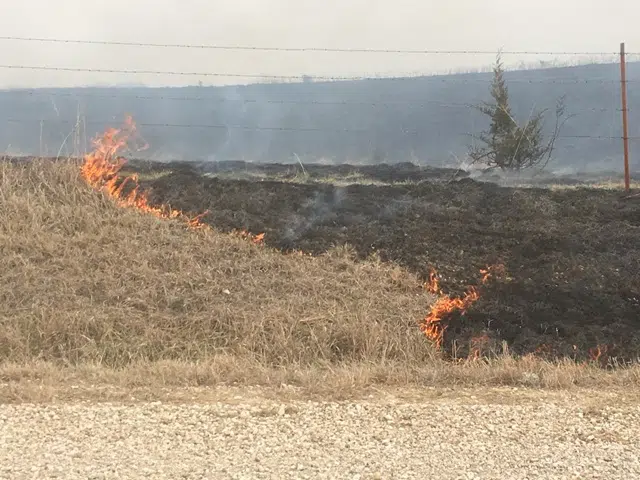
x,y
510,146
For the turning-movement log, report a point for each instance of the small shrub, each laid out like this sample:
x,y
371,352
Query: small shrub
x,y
508,145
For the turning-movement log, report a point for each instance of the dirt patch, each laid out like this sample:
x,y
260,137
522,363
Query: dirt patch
x,y
572,282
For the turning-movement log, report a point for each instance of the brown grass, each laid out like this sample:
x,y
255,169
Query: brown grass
x,y
85,281
183,381
93,293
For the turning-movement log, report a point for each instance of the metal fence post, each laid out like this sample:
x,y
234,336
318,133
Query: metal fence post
x,y
625,129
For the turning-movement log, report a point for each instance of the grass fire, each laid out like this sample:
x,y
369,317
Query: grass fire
x,y
102,166
89,281
434,324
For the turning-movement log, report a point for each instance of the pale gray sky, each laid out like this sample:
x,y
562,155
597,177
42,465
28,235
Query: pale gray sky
x,y
554,25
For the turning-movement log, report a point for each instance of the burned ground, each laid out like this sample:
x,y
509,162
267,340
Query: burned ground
x,y
399,172
571,282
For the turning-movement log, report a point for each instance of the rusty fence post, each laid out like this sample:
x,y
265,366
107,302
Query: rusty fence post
x,y
625,127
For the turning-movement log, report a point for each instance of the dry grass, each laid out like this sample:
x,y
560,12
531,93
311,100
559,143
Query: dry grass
x,y
82,280
605,184
91,293
184,381
300,177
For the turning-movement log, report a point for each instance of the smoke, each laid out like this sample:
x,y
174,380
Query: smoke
x,y
345,121
233,105
321,208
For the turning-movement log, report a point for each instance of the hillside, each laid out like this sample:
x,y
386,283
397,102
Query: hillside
x,y
424,119
84,281
361,280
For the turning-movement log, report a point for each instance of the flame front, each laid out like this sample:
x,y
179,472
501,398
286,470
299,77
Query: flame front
x,y
101,169
255,239
433,285
433,325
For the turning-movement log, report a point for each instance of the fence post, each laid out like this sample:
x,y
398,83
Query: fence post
x,y
625,129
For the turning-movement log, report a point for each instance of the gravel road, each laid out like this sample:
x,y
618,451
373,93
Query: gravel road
x,y
440,437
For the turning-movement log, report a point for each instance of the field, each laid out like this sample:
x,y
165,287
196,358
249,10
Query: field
x,y
569,282
362,273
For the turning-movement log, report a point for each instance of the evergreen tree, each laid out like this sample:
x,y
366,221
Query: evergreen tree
x,y
508,145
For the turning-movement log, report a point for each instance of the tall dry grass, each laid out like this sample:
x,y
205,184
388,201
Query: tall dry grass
x,y
82,280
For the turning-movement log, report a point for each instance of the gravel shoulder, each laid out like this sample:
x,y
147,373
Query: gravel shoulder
x,y
250,433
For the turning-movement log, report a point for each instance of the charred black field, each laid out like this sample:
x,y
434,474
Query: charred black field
x,y
571,280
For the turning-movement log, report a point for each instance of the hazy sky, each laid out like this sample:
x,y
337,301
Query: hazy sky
x,y
554,25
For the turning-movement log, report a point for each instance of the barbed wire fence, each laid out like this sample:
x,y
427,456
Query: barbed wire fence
x,y
347,97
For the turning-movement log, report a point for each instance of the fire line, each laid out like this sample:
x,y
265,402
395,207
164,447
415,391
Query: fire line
x,y
101,169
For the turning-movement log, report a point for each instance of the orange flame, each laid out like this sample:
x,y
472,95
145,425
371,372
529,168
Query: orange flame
x,y
256,239
102,166
597,353
492,271
486,275
433,325
101,170
433,285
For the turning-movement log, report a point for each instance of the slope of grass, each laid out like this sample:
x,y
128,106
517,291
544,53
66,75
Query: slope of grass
x,y
91,292
84,280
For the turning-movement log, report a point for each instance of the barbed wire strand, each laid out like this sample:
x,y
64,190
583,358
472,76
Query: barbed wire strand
x,y
56,91
437,78
267,128
300,49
